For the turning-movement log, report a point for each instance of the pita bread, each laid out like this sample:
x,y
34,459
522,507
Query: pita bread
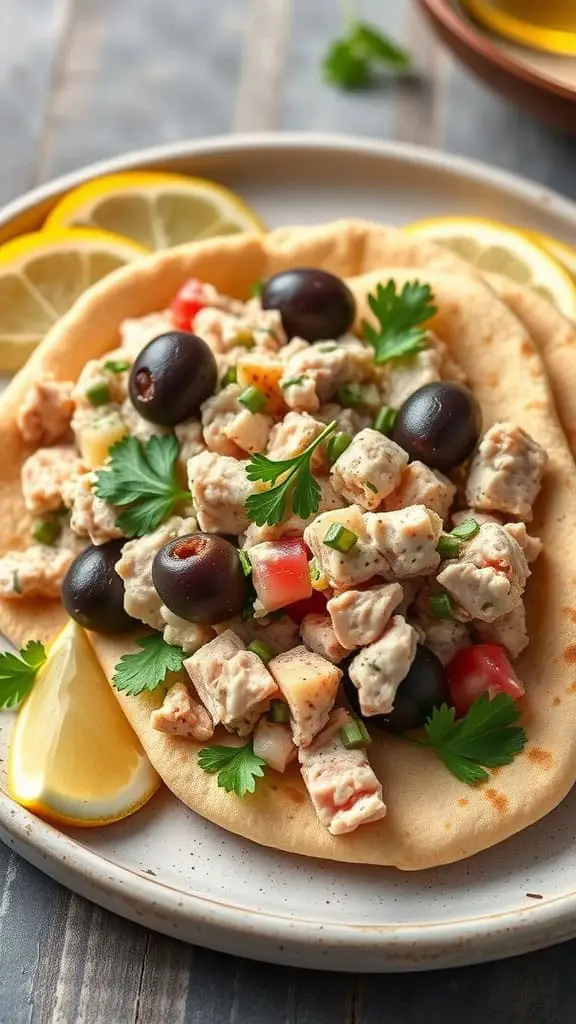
x,y
432,819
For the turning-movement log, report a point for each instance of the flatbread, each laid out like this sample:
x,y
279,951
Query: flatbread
x,y
432,818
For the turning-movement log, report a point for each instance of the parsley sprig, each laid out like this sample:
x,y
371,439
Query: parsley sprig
x,y
142,476
486,737
146,669
351,60
297,485
400,318
18,672
237,767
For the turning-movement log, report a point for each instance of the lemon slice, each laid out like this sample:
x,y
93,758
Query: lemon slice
x,y
499,249
74,758
158,210
42,274
561,251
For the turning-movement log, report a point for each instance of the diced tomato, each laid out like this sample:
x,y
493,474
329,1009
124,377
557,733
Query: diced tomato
x,y
313,605
280,572
482,668
189,300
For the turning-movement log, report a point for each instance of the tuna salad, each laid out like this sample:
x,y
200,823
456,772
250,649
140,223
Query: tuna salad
x,y
304,517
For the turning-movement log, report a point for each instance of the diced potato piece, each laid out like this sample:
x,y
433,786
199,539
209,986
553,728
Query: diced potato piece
x,y
263,372
309,684
96,436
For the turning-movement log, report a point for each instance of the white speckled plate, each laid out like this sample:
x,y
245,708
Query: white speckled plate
x,y
178,874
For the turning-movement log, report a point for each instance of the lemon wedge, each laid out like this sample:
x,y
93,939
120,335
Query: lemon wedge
x,y
74,758
157,210
561,251
42,274
500,249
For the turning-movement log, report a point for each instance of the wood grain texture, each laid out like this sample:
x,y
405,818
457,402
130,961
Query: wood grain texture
x,y
83,79
30,35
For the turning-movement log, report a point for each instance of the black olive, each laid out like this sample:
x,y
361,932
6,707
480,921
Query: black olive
x,y
199,577
439,424
93,592
425,687
173,374
313,304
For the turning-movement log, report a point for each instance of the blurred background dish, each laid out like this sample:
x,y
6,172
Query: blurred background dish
x,y
543,83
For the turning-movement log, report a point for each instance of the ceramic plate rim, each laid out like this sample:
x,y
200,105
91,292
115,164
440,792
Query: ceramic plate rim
x,y
211,921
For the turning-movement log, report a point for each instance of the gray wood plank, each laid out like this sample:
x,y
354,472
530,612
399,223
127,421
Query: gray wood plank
x,y
480,124
29,37
263,66
142,72
535,989
312,104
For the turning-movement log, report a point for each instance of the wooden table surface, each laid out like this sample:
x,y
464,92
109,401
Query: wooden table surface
x,y
85,79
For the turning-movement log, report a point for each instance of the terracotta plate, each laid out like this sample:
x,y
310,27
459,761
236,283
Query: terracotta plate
x,y
543,84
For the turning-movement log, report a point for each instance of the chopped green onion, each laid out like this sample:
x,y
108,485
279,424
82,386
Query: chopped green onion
x,y
339,538
16,582
98,393
256,289
279,712
116,365
46,531
385,420
244,339
337,445
264,652
371,487
253,399
245,562
293,382
230,377
248,611
468,529
448,546
331,347
355,735
351,395
441,606
314,571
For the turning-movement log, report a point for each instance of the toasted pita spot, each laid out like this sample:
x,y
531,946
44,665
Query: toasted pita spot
x,y
570,654
295,794
498,800
448,826
463,801
534,405
527,348
570,612
541,757
556,702
572,688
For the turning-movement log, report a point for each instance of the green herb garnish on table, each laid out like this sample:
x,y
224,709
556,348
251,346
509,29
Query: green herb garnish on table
x,y
18,672
400,317
297,488
144,670
237,767
352,60
142,475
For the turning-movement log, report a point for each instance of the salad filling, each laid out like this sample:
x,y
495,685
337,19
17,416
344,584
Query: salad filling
x,y
312,521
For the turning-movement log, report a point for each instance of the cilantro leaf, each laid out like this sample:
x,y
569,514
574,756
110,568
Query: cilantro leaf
x,y
141,475
400,317
297,486
18,672
237,767
147,668
486,737
351,60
